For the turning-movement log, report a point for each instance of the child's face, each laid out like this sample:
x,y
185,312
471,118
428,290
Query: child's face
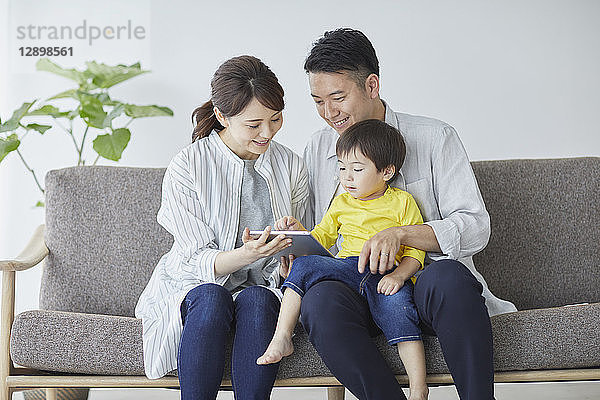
x,y
360,178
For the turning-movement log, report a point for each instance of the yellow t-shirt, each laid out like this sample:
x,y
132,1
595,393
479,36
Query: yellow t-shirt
x,y
358,220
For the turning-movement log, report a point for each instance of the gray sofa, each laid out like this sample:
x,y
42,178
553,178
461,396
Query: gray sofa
x,y
102,241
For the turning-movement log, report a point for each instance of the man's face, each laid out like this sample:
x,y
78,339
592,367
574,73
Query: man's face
x,y
340,101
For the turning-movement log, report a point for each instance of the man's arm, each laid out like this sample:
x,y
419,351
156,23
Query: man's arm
x,y
463,228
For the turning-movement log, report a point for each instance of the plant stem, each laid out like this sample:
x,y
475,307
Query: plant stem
x,y
127,124
96,160
70,132
32,172
82,142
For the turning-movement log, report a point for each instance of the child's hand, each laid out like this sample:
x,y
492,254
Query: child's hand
x,y
286,265
288,223
390,284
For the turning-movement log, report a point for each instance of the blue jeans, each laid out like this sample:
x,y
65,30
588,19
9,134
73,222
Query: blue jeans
x,y
210,316
396,315
448,298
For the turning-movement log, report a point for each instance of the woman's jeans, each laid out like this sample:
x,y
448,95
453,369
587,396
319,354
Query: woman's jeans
x,y
210,316
396,315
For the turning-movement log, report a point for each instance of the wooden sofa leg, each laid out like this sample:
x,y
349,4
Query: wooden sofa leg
x,y
6,320
51,393
6,392
336,393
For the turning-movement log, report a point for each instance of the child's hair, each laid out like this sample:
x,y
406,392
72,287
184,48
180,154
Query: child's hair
x,y
379,142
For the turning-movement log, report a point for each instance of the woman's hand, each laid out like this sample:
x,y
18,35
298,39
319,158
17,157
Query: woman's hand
x,y
288,223
258,248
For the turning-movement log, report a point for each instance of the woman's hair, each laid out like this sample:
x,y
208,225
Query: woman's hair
x,y
235,83
379,142
343,49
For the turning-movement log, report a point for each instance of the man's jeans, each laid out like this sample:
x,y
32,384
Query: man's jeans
x,y
396,315
210,316
450,305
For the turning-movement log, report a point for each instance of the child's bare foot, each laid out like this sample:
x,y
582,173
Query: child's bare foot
x,y
278,348
419,393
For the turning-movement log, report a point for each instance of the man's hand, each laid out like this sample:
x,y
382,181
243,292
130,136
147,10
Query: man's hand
x,y
390,284
380,251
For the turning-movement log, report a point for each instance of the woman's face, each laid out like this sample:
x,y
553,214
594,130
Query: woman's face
x,y
249,133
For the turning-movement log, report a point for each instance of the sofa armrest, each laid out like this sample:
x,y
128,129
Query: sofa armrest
x,y
33,254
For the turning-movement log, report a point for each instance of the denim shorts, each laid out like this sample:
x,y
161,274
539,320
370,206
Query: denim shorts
x,y
396,315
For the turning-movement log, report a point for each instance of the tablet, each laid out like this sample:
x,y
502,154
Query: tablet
x,y
303,243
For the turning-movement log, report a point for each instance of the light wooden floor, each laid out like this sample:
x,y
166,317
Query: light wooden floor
x,y
504,391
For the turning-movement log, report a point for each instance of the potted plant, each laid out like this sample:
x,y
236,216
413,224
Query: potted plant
x,y
92,114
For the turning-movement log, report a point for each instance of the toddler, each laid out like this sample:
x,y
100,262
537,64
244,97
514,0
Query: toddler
x,y
370,154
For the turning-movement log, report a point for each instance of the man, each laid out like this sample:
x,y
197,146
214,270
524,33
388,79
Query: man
x,y
343,73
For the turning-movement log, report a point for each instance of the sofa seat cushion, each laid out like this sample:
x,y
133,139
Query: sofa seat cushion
x,y
111,345
555,338
77,343
547,338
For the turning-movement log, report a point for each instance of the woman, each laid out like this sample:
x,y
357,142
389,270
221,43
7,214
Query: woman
x,y
217,280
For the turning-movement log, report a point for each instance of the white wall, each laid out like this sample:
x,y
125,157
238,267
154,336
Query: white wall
x,y
518,79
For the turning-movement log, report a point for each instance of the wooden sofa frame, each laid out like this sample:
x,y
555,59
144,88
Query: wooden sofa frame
x,y
15,379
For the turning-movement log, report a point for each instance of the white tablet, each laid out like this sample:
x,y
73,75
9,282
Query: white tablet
x,y
303,243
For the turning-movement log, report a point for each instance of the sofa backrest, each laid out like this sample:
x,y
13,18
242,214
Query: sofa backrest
x,y
544,249
103,238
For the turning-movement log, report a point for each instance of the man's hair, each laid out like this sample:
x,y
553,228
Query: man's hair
x,y
379,142
343,49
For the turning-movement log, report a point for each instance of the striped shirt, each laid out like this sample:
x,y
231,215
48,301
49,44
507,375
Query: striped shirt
x,y
200,207
436,172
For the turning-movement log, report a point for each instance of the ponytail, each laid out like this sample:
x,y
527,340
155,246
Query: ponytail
x,y
205,121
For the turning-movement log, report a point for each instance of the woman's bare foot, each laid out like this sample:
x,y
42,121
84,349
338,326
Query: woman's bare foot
x,y
278,348
419,393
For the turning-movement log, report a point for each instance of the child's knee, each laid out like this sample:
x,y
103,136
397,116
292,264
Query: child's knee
x,y
304,263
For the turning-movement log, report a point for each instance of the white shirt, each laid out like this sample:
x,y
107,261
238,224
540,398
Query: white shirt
x,y
200,207
436,172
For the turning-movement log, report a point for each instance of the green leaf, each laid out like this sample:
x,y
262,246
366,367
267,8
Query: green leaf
x,y
37,127
40,204
11,143
114,113
71,93
13,122
81,94
44,64
74,113
49,110
92,111
111,146
105,99
134,111
105,76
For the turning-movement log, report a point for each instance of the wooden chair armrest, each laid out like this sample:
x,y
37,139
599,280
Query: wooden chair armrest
x,y
33,254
